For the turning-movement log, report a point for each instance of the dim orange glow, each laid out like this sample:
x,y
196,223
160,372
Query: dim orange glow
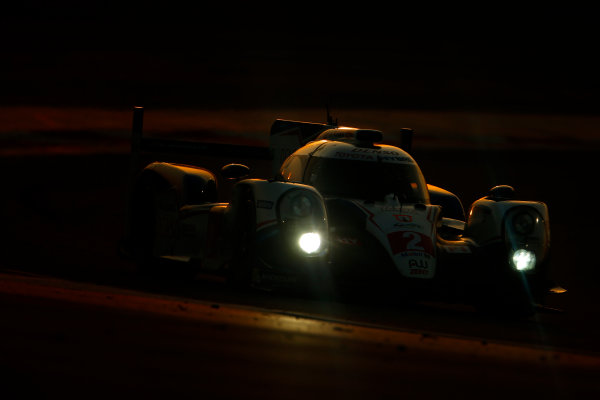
x,y
558,290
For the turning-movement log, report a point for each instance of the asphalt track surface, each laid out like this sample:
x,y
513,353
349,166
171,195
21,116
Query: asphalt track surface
x,y
79,321
64,339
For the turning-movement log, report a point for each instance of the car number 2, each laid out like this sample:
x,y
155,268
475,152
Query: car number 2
x,y
414,242
410,241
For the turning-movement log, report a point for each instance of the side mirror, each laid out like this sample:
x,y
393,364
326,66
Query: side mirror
x,y
235,171
450,228
501,193
452,223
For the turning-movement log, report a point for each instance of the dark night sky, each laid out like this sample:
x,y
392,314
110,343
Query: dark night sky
x,y
218,57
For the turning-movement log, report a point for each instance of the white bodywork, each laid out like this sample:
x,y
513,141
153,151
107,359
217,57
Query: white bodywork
x,y
492,221
407,229
407,233
266,196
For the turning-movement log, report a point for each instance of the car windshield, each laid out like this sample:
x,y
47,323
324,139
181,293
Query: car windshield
x,y
366,180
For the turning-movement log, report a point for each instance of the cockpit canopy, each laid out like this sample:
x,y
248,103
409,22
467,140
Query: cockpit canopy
x,y
367,173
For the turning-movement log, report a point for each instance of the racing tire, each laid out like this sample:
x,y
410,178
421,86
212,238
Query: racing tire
x,y
144,227
143,223
243,261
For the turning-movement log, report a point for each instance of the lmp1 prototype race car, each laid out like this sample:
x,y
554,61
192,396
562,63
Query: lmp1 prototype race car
x,y
344,212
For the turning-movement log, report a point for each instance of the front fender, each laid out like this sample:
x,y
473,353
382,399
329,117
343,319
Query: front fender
x,y
276,230
515,235
192,185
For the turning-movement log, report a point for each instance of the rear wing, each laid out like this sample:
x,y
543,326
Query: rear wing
x,y
140,144
285,137
288,136
145,150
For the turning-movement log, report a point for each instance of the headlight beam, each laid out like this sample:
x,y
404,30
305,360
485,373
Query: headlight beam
x,y
310,242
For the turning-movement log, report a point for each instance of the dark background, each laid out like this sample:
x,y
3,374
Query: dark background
x,y
299,55
64,214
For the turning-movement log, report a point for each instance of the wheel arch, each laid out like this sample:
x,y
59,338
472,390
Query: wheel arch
x,y
451,205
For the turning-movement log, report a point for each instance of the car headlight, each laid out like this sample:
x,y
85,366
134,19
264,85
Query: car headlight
x,y
310,242
302,215
523,223
300,204
523,260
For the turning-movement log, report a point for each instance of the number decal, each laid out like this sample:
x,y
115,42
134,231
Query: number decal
x,y
414,242
410,241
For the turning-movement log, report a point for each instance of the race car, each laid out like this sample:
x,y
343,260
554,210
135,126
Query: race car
x,y
344,212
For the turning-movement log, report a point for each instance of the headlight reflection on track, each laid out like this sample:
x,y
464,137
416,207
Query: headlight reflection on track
x,y
310,242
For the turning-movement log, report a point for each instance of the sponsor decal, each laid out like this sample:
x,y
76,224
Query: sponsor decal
x,y
415,254
266,204
372,155
351,156
395,159
403,218
418,263
375,151
414,271
383,155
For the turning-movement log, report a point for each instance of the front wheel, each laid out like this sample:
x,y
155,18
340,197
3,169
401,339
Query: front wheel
x,y
243,260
